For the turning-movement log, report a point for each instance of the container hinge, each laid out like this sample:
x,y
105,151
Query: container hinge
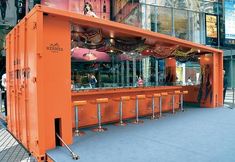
x,y
34,25
39,54
34,79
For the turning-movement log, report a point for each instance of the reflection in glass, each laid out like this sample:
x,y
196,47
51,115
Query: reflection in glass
x,y
194,27
181,24
188,73
164,18
127,12
128,61
188,17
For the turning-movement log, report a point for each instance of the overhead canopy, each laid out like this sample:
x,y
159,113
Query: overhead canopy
x,y
162,43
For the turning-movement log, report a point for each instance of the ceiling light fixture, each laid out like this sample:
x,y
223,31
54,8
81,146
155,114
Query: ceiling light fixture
x,y
90,56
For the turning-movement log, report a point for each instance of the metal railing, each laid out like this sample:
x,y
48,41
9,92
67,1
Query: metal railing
x,y
74,156
11,149
230,98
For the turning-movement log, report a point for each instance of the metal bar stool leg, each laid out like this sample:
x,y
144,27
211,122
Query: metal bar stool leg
x,y
137,121
160,106
77,132
100,128
173,103
181,102
153,109
121,123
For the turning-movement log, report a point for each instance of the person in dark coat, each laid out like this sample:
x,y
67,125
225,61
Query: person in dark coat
x,y
3,8
225,84
4,94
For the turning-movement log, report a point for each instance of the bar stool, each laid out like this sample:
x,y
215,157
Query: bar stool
x,y
176,93
182,100
173,99
154,96
163,94
77,132
122,98
99,101
138,97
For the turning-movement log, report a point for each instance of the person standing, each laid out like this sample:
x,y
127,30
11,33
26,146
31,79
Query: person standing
x,y
4,94
3,8
225,85
92,80
88,10
140,82
189,81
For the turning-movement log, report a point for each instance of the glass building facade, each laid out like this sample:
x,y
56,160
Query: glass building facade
x,y
185,19
207,22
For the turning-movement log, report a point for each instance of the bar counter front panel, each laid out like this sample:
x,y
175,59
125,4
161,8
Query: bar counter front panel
x,y
110,111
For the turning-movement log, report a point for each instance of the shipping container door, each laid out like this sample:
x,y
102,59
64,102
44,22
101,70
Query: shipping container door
x,y
21,85
11,90
16,71
31,83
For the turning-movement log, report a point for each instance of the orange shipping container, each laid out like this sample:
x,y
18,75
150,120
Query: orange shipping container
x,y
39,76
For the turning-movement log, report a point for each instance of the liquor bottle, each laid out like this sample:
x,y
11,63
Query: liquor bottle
x,y
104,7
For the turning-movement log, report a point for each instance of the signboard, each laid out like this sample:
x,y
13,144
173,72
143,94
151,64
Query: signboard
x,y
211,29
100,7
229,21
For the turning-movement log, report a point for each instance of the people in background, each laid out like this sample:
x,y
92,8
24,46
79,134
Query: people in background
x,y
225,84
4,94
140,82
88,10
3,8
178,81
189,81
92,80
72,85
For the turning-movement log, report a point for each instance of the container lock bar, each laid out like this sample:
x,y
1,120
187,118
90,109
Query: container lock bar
x,y
74,156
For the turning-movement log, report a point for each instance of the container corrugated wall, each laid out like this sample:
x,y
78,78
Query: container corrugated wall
x,y
38,82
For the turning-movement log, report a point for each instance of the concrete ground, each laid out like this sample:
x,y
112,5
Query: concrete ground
x,y
205,135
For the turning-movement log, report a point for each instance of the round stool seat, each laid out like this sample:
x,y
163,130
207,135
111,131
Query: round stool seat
x,y
140,96
177,92
125,98
185,92
102,100
156,95
79,103
164,94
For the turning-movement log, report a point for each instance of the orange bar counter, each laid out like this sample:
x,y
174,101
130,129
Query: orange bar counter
x,y
88,113
38,65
